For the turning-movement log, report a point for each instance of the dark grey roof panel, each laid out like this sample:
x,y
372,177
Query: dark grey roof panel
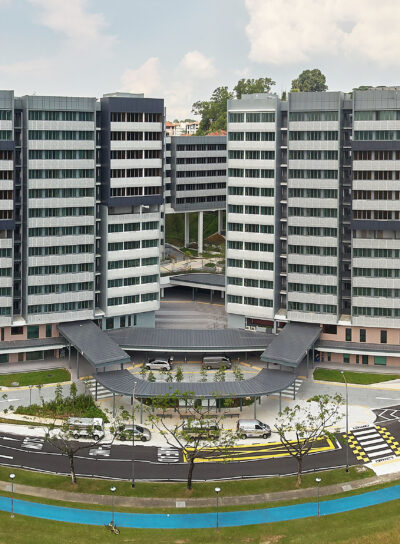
x,y
34,343
358,346
266,382
202,279
290,346
94,344
188,340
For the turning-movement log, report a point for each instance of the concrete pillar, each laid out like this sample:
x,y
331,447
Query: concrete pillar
x,y
141,410
255,407
113,404
122,366
241,404
222,295
211,295
95,395
69,356
162,292
187,229
280,401
77,364
308,362
220,216
200,233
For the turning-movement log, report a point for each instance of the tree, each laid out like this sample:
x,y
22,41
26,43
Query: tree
x,y
309,81
196,432
151,377
179,374
284,96
203,374
299,427
237,371
219,376
252,86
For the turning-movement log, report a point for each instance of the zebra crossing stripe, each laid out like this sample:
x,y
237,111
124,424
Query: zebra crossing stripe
x,y
372,443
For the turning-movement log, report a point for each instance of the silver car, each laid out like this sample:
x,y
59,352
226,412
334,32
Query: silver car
x,y
158,364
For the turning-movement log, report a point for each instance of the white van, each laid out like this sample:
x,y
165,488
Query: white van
x,y
86,427
216,362
253,428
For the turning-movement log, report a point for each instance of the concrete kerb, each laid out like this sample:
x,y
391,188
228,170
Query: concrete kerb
x,y
240,500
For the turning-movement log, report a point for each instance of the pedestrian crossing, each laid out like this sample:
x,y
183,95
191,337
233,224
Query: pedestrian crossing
x,y
288,392
370,443
102,392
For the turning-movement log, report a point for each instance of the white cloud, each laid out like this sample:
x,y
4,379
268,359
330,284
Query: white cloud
x,y
38,66
290,31
198,65
145,79
72,18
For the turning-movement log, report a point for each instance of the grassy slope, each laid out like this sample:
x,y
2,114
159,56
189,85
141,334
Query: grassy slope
x,y
56,375
175,227
363,378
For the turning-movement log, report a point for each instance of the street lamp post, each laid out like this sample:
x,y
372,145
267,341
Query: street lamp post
x,y
30,394
217,491
347,422
133,435
12,476
318,480
113,489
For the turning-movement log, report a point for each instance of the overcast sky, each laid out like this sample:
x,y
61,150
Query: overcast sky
x,y
183,49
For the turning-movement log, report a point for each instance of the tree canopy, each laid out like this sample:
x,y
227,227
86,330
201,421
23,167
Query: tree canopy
x,y
213,111
309,81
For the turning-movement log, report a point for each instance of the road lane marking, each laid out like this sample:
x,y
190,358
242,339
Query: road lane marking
x,y
6,457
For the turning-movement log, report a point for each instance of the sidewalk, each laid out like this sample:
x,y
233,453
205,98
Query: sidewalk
x,y
151,502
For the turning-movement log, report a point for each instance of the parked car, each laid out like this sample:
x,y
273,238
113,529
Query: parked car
x,y
159,364
125,432
216,362
86,427
252,428
197,428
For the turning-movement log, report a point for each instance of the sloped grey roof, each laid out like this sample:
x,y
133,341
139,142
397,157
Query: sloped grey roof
x,y
202,279
190,340
34,343
290,346
96,346
358,346
265,382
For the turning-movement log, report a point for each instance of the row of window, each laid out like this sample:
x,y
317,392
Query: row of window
x,y
131,244
61,212
5,291
310,307
134,280
251,210
194,199
6,155
250,246
250,173
313,250
376,155
313,174
313,155
251,155
60,135
313,288
6,214
60,269
251,136
129,227
376,174
312,269
382,215
60,231
5,271
6,174
132,263
35,115
251,191
5,310
236,299
312,212
376,195
61,154
313,135
135,191
201,147
60,288
135,136
60,307
122,154
5,252
312,193
135,117
60,250
378,135
5,135
249,282
199,173
135,172
253,265
348,334
132,299
313,231
382,115
379,253
376,272
199,186
375,312
79,192
249,227
252,117
200,160
376,292
71,173
313,116
5,115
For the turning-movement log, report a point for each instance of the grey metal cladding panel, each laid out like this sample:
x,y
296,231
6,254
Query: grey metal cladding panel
x,y
198,140
33,343
133,200
203,279
7,145
133,105
292,343
253,101
186,339
376,100
7,100
375,145
97,347
265,383
348,346
372,224
315,101
71,103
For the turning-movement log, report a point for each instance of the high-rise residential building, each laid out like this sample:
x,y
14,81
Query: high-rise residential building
x,y
312,218
81,184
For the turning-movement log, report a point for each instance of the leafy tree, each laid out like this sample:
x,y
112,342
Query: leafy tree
x,y
284,96
169,377
363,88
58,393
203,374
179,374
237,371
73,391
143,372
299,428
220,374
151,377
309,81
195,431
252,86
39,388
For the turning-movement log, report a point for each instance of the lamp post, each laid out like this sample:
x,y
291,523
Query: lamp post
x,y
133,435
113,489
347,423
217,491
318,480
12,476
30,394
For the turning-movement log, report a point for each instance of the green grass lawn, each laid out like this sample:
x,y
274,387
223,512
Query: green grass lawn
x,y
373,525
54,375
364,378
178,490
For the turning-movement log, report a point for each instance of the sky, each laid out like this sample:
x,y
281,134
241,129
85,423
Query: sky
x,y
181,50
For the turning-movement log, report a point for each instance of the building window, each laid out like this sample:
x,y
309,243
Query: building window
x,y
16,331
122,321
34,355
329,357
379,360
2,335
346,357
48,331
363,335
365,359
4,358
33,331
330,329
109,323
383,339
348,335
357,359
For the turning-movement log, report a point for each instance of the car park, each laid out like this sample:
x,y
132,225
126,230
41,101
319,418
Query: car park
x,y
216,362
125,432
253,428
158,364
